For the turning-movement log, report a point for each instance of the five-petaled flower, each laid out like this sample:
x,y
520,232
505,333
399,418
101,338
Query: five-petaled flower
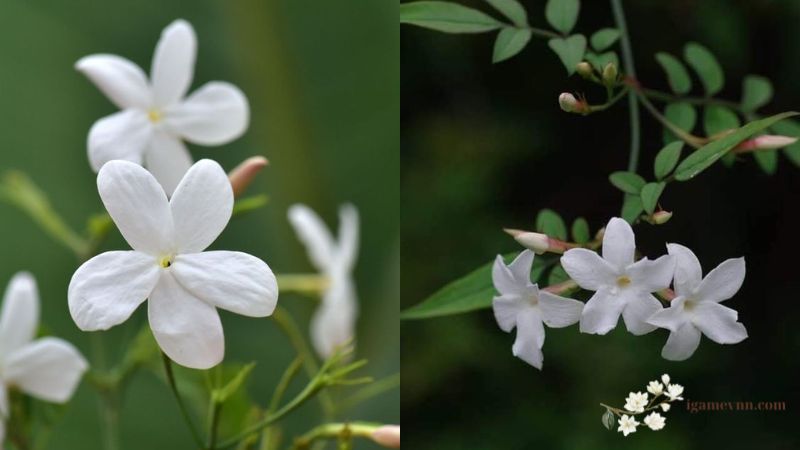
x,y
655,421
48,368
627,424
622,286
168,264
674,392
636,402
155,116
333,324
522,305
696,310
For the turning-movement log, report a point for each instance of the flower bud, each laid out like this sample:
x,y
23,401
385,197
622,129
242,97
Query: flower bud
x,y
584,69
765,142
245,173
661,217
570,104
610,74
537,242
387,436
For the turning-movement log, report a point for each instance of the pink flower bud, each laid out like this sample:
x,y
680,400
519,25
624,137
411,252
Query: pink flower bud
x,y
244,173
765,142
387,436
537,242
661,217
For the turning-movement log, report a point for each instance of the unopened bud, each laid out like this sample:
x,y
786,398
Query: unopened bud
x,y
537,242
610,74
584,69
245,173
661,217
570,104
765,142
387,436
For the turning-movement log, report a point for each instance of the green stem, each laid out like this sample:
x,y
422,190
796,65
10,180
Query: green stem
x,y
694,141
630,70
668,97
214,424
611,101
184,411
285,322
335,431
540,32
374,389
280,389
303,283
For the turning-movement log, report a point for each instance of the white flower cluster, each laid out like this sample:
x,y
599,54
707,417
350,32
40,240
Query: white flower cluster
x,y
639,403
624,287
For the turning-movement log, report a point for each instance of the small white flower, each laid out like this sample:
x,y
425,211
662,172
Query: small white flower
x,y
655,388
333,324
168,264
621,285
48,368
655,421
636,402
522,305
696,310
627,425
665,379
155,116
664,407
674,392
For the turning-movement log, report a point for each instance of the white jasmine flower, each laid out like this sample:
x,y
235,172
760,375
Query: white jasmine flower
x,y
522,305
184,284
636,402
156,116
621,285
655,421
627,425
665,379
674,392
664,407
655,388
697,310
48,368
333,324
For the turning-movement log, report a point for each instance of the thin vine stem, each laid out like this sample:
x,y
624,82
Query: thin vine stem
x,y
630,70
184,411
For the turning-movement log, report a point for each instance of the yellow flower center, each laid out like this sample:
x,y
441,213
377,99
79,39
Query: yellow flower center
x,y
166,261
623,281
154,115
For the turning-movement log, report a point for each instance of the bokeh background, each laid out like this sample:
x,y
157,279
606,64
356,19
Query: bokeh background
x,y
485,146
322,80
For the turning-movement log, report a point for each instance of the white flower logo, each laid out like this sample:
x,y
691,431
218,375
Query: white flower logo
x,y
333,324
155,116
48,368
627,425
184,284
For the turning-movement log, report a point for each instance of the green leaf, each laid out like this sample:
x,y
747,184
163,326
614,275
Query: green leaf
x,y
792,129
569,50
557,275
580,231
511,9
628,182
608,419
600,61
469,293
632,208
551,224
651,192
221,395
666,159
717,119
249,204
756,92
602,39
683,115
447,17
562,14
707,155
510,41
705,64
767,160
677,75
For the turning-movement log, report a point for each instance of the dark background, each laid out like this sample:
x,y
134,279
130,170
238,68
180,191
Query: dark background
x,y
485,146
322,81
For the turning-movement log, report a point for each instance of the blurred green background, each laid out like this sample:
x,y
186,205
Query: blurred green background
x,y
322,81
485,146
